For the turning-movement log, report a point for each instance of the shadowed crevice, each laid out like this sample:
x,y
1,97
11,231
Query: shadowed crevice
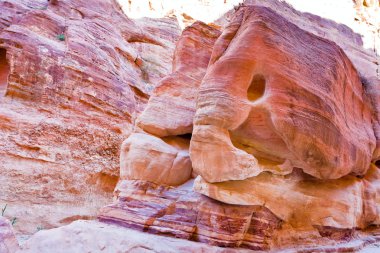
x,y
4,72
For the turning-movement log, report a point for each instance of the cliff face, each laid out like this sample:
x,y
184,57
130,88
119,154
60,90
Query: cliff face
x,y
258,131
78,74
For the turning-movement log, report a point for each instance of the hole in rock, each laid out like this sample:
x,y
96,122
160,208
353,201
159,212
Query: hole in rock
x,y
257,88
377,163
4,71
185,136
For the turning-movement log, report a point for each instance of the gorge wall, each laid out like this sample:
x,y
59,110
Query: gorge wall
x,y
76,83
260,130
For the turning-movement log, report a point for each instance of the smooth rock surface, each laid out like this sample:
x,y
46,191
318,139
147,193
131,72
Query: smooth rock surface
x,y
171,107
303,201
276,97
162,161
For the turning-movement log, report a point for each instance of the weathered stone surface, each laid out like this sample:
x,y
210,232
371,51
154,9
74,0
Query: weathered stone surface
x,y
8,242
180,212
79,74
93,236
290,88
304,201
158,150
72,99
162,161
171,107
276,97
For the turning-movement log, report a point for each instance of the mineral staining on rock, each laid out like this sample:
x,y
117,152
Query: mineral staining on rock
x,y
68,102
281,131
261,135
276,97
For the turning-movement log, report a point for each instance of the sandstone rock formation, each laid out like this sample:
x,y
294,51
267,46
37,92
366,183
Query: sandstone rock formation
x,y
158,151
276,97
93,236
256,109
79,73
181,213
171,107
274,112
273,136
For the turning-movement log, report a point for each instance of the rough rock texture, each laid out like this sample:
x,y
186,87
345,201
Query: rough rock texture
x,y
277,96
275,118
79,74
182,213
93,236
8,242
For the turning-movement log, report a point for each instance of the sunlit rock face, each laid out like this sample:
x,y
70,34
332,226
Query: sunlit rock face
x,y
171,107
269,100
273,121
73,77
276,97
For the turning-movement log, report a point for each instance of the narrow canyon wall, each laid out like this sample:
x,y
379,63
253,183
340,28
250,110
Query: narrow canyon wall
x,y
282,127
73,77
259,130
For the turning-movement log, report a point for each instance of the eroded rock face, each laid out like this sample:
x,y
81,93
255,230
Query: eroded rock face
x,y
171,107
272,140
79,74
304,201
162,161
93,236
182,213
276,97
158,151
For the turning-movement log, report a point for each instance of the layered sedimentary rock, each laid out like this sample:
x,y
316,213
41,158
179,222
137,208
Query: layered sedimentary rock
x,y
272,102
304,201
8,242
294,126
150,166
93,236
276,97
271,138
158,151
180,212
73,77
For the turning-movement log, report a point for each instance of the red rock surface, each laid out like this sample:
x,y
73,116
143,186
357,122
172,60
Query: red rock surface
x,y
182,213
171,108
79,73
158,151
93,236
280,106
276,97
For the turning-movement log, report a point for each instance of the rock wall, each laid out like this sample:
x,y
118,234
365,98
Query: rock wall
x,y
283,125
260,130
79,73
